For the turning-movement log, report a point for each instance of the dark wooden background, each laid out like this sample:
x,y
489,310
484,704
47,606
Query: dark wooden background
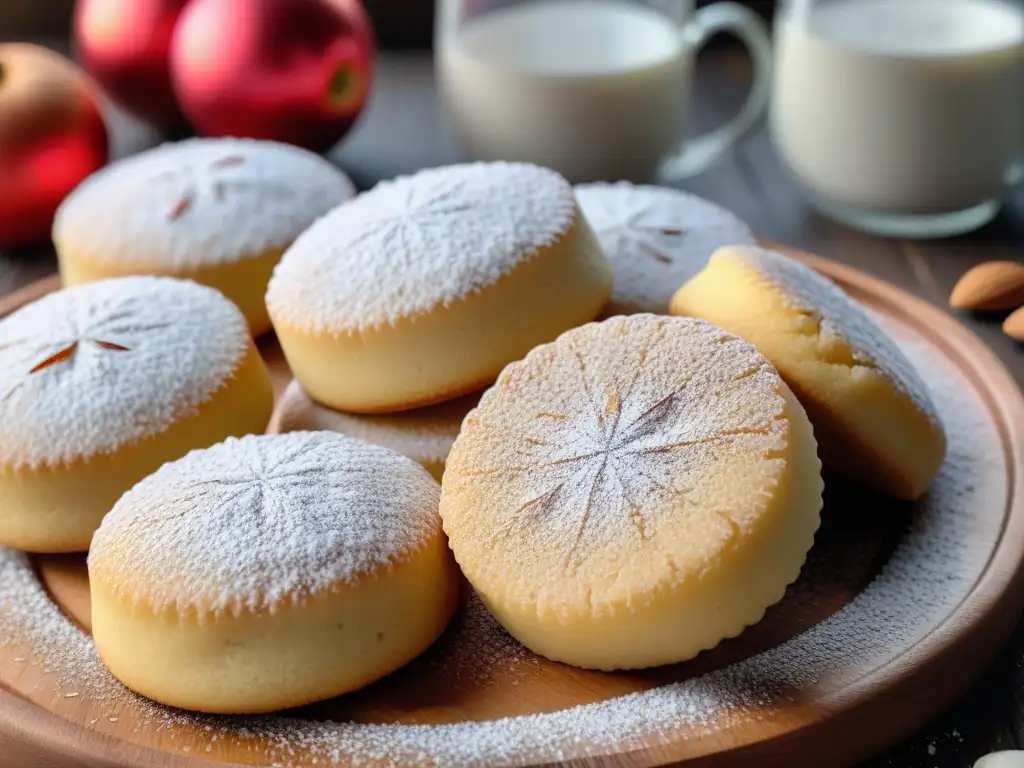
x,y
403,130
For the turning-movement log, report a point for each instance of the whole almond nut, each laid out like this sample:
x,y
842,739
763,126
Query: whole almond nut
x,y
991,286
1013,326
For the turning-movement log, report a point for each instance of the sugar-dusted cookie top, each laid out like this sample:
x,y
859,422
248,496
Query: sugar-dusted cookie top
x,y
656,239
417,243
91,368
199,202
257,523
624,457
872,413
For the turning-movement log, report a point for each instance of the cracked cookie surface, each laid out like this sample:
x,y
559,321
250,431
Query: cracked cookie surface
x,y
872,412
616,483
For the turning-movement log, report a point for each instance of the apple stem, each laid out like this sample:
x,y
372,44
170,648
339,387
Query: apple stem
x,y
339,89
3,73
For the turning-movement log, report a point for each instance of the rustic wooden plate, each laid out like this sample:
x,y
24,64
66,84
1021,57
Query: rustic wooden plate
x,y
899,607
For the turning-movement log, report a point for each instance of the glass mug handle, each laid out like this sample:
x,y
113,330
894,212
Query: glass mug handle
x,y
700,153
1015,174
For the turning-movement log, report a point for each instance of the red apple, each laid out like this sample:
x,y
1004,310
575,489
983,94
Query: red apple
x,y
296,71
125,45
52,136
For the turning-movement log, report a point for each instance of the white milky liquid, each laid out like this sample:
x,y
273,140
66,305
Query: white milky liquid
x,y
902,106
592,88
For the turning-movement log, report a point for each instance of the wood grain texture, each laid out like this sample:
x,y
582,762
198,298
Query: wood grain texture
x,y
825,724
403,131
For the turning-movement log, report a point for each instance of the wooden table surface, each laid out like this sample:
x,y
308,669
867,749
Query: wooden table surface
x,y
403,130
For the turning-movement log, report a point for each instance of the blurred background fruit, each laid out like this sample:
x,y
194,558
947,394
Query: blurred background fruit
x,y
297,71
52,136
399,23
125,46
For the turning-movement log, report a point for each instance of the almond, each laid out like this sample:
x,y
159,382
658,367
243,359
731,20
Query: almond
x,y
1014,325
991,286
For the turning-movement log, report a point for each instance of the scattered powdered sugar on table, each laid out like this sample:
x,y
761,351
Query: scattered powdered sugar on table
x,y
419,242
423,434
94,367
264,520
656,239
836,316
926,578
199,202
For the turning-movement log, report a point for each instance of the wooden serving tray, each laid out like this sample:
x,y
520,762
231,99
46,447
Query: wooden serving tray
x,y
898,609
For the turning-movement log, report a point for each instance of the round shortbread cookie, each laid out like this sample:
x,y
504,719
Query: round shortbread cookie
x,y
872,413
633,493
656,239
217,211
269,572
425,287
425,435
100,384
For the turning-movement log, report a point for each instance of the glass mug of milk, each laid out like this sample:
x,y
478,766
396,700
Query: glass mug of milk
x,y
595,89
901,117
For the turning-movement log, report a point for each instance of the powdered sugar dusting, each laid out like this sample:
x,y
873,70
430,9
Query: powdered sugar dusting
x,y
928,575
598,444
835,316
656,239
479,644
199,202
94,367
423,434
417,243
256,522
